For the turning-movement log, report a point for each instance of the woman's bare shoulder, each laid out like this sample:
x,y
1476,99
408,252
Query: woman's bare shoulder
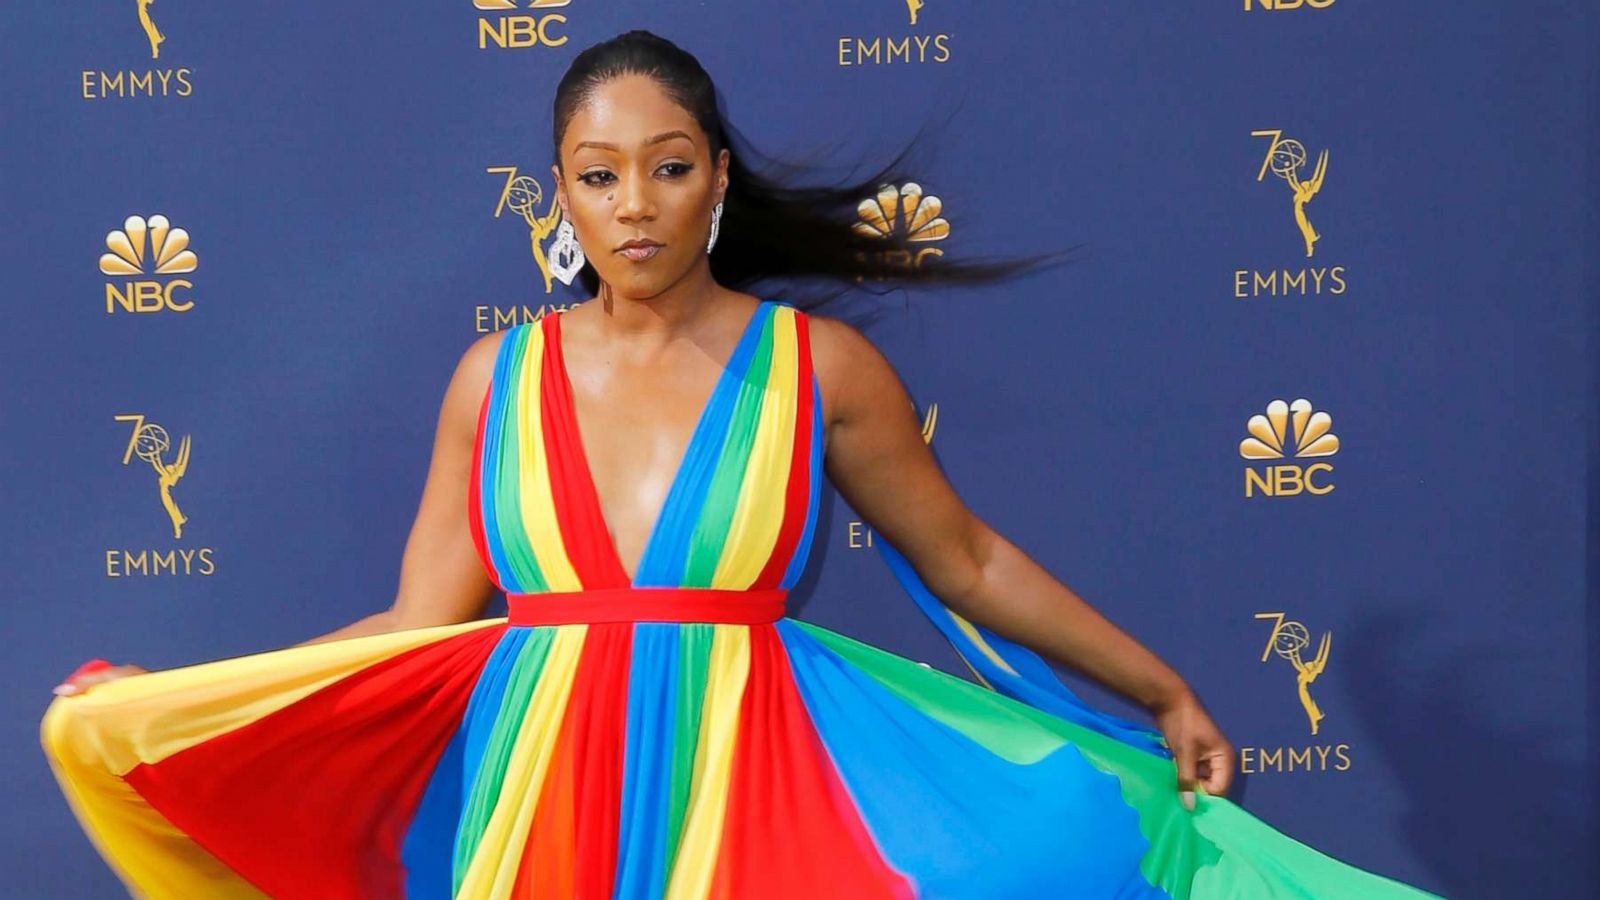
x,y
470,382
482,350
477,361
850,368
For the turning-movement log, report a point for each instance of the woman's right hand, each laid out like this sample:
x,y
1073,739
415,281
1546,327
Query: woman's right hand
x,y
92,673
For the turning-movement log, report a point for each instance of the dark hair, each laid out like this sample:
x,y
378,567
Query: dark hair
x,y
772,227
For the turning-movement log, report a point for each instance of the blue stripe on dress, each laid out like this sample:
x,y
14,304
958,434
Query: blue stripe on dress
x,y
647,762
797,562
957,818
666,553
426,848
492,464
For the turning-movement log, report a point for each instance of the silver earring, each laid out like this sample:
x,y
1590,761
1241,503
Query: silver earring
x,y
716,219
565,255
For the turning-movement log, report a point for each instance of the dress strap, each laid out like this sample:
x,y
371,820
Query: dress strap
x,y
647,604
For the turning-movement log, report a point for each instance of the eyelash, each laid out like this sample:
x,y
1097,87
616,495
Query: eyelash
x,y
685,166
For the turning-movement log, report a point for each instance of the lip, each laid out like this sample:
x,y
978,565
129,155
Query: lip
x,y
639,251
638,243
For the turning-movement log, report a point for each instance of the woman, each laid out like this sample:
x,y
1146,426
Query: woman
x,y
640,474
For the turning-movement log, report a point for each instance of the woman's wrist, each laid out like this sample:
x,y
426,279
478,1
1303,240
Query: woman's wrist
x,y
1170,693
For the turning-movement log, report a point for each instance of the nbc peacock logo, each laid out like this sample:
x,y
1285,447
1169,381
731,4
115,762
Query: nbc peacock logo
x,y
1289,431
508,25
904,210
1279,5
143,248
858,535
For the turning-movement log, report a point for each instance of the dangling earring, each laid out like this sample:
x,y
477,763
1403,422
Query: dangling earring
x,y
565,255
716,219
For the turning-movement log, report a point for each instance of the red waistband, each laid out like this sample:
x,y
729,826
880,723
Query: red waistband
x,y
647,604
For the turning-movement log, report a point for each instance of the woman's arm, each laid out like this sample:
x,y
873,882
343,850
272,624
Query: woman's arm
x,y
881,465
441,579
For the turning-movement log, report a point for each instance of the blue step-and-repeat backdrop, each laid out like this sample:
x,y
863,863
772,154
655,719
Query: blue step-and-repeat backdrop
x,y
1310,414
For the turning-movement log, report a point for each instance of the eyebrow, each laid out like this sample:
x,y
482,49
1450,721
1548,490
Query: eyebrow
x,y
663,136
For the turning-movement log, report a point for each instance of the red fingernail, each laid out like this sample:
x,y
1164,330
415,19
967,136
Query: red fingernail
x,y
93,665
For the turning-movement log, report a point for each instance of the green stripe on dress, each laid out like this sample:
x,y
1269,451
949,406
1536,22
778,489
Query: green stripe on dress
x,y
508,473
485,791
694,656
722,497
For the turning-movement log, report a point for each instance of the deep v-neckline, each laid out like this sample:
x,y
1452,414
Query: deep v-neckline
x,y
585,474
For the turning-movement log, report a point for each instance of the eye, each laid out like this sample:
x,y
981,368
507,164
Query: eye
x,y
684,167
587,176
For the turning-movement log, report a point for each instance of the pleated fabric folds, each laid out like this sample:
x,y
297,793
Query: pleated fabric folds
x,y
662,753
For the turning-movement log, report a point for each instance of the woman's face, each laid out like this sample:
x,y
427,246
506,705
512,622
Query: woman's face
x,y
637,166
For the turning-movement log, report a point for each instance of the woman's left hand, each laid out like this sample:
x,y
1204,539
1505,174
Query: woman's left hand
x,y
1202,754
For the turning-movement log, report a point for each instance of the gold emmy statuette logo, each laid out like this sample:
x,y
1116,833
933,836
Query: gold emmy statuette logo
x,y
1288,639
1285,158
857,534
1291,640
896,49
904,210
522,195
150,443
103,84
513,30
1269,439
150,31
148,247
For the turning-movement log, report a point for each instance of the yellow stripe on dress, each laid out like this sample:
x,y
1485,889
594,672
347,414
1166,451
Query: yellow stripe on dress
x,y
726,671
758,513
983,645
533,469
492,873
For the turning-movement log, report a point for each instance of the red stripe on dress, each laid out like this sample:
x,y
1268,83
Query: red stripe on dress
x,y
475,491
571,853
583,528
313,800
791,830
649,604
797,494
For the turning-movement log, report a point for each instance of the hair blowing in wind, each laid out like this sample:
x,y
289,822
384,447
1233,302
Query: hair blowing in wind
x,y
773,225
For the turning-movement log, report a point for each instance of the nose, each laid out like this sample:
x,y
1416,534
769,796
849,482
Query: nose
x,y
634,199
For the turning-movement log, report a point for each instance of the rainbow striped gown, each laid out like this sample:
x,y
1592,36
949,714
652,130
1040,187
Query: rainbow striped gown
x,y
672,735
